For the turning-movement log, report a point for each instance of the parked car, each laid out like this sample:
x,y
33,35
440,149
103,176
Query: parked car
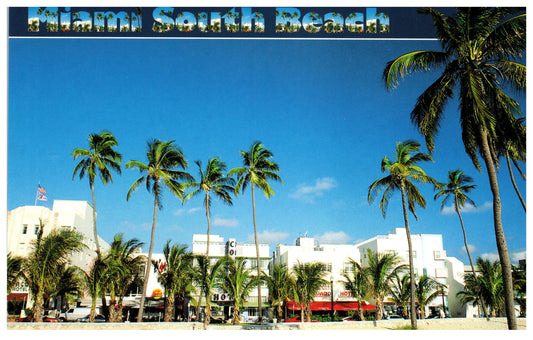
x,y
351,318
97,318
297,319
74,314
29,318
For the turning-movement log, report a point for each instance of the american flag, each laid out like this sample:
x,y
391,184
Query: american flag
x,y
42,197
41,189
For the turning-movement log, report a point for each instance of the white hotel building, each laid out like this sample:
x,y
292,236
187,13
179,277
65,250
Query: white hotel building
x,y
429,258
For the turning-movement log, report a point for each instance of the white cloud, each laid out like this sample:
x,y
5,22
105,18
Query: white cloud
x,y
472,248
309,192
186,211
491,256
228,222
468,208
133,226
268,236
333,237
515,256
518,255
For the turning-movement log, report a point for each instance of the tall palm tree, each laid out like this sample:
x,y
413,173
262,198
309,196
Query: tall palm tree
x,y
98,160
238,282
457,188
489,285
14,270
403,171
480,49
401,293
212,180
381,270
309,278
427,289
356,282
258,169
280,286
122,265
42,265
207,276
163,158
174,274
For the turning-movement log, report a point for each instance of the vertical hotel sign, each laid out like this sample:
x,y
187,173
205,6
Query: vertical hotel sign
x,y
213,22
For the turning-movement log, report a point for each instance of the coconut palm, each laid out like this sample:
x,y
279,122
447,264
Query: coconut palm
x,y
69,285
42,265
381,270
14,270
238,282
122,265
280,287
207,276
258,169
457,188
480,49
309,278
93,281
427,289
401,293
98,160
212,180
163,158
489,285
356,282
174,274
403,171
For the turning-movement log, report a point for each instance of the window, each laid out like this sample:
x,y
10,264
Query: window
x,y
24,228
348,267
441,272
439,254
328,266
36,229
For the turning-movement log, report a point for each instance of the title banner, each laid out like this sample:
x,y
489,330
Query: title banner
x,y
223,22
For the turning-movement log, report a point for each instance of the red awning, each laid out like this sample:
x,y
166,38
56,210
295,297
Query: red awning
x,y
17,296
337,305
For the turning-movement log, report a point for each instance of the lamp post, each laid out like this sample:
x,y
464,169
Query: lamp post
x,y
332,311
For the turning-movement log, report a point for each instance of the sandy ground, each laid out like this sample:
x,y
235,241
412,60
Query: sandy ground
x,y
432,324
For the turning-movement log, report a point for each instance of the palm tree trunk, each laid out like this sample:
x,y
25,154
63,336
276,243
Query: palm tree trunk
x,y
258,258
519,170
208,224
513,181
170,308
92,315
360,310
501,242
148,261
38,306
94,224
411,267
469,257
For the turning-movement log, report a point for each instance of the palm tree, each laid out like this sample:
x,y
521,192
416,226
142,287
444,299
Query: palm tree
x,y
122,265
99,159
238,282
381,271
258,169
457,187
402,173
68,286
174,274
480,49
207,277
489,285
280,286
309,280
212,180
427,289
42,265
401,293
357,283
93,280
163,157
14,270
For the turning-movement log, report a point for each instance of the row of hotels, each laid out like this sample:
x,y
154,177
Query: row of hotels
x,y
429,258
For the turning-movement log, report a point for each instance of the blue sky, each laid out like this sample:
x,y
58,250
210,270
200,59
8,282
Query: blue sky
x,y
320,106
